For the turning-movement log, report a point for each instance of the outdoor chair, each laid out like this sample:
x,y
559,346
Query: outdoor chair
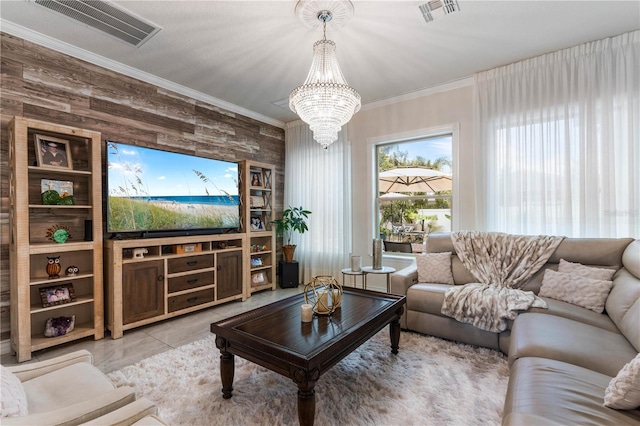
x,y
392,246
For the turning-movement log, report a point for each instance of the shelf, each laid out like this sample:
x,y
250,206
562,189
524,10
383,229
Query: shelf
x,y
63,172
48,248
33,221
56,206
258,253
39,342
44,280
262,287
261,268
79,301
259,188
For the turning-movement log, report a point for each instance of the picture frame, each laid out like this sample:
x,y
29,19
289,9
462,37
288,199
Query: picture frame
x,y
256,224
258,278
256,179
256,201
63,188
53,153
57,295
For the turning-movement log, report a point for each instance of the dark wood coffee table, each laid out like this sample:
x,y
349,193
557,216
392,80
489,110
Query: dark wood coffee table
x,y
274,337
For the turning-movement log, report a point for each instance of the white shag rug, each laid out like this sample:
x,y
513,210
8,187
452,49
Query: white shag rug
x,y
430,382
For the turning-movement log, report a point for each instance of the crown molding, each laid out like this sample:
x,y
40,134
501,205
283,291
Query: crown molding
x,y
68,49
445,87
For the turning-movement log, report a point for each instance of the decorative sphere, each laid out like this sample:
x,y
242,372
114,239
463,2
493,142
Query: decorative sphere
x,y
324,293
60,236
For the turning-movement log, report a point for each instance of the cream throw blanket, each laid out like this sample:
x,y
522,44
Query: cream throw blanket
x,y
502,263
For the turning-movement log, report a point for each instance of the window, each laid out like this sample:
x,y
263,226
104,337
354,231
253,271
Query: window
x,y
414,187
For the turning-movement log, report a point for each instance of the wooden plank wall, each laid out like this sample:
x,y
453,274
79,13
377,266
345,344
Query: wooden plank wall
x,y
40,83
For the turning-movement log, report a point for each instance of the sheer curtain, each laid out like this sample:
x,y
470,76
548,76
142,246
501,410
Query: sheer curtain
x,y
557,139
319,181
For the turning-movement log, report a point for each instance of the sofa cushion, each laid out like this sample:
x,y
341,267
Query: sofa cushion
x,y
592,251
631,258
82,382
434,268
623,305
579,290
545,391
12,395
426,298
562,339
623,392
586,271
575,312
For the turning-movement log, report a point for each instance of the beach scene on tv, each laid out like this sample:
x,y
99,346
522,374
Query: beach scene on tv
x,y
153,190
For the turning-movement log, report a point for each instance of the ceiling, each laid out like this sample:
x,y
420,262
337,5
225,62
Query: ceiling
x,y
251,54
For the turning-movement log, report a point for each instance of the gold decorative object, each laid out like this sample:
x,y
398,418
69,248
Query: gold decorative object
x,y
324,293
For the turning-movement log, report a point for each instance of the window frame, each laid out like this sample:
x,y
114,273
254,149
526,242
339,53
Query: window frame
x,y
452,129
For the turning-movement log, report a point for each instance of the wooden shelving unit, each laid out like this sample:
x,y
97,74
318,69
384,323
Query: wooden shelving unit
x,y
164,283
30,247
257,181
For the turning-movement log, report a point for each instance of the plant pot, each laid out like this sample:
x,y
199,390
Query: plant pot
x,y
288,251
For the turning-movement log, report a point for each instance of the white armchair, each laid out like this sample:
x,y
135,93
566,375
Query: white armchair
x,y
67,390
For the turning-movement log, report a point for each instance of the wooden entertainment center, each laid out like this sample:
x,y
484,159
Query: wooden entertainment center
x,y
147,279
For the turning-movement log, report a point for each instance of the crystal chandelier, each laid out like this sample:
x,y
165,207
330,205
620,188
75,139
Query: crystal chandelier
x,y
325,101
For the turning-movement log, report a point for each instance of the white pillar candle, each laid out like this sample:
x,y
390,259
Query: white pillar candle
x,y
306,312
335,298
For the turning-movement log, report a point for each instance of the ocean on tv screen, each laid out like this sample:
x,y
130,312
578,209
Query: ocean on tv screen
x,y
152,190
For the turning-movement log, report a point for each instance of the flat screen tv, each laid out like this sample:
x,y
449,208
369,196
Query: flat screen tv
x,y
154,192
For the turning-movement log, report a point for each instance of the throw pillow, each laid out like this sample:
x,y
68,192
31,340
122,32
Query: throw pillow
x,y
435,268
623,392
582,291
14,400
585,271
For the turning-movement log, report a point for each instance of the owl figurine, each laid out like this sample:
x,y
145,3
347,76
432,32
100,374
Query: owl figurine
x,y
72,271
53,267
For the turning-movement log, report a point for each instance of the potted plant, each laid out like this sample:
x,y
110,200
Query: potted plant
x,y
293,220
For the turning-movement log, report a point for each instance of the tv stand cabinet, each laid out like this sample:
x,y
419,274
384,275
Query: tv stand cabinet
x,y
153,279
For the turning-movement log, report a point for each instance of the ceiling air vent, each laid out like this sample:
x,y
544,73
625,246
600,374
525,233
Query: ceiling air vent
x,y
436,8
106,18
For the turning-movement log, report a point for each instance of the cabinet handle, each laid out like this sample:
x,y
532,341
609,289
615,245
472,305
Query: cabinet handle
x,y
192,262
192,299
193,281
219,267
160,277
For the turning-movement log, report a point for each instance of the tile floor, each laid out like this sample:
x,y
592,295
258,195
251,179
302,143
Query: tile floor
x,y
143,342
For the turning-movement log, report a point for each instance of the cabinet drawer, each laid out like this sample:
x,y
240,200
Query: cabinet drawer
x,y
187,282
191,263
196,298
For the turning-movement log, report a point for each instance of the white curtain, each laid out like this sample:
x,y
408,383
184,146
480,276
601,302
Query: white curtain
x,y
319,181
557,139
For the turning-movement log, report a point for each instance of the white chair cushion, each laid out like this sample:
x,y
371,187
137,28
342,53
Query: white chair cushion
x,y
80,382
623,392
14,399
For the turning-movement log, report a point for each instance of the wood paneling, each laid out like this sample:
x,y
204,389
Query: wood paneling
x,y
44,84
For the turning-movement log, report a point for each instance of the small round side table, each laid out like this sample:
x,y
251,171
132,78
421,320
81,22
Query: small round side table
x,y
353,276
366,270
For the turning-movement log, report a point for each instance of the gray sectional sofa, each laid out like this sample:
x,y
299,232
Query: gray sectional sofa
x,y
561,358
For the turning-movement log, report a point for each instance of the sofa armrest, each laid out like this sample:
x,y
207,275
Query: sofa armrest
x,y
404,278
36,369
127,415
78,413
